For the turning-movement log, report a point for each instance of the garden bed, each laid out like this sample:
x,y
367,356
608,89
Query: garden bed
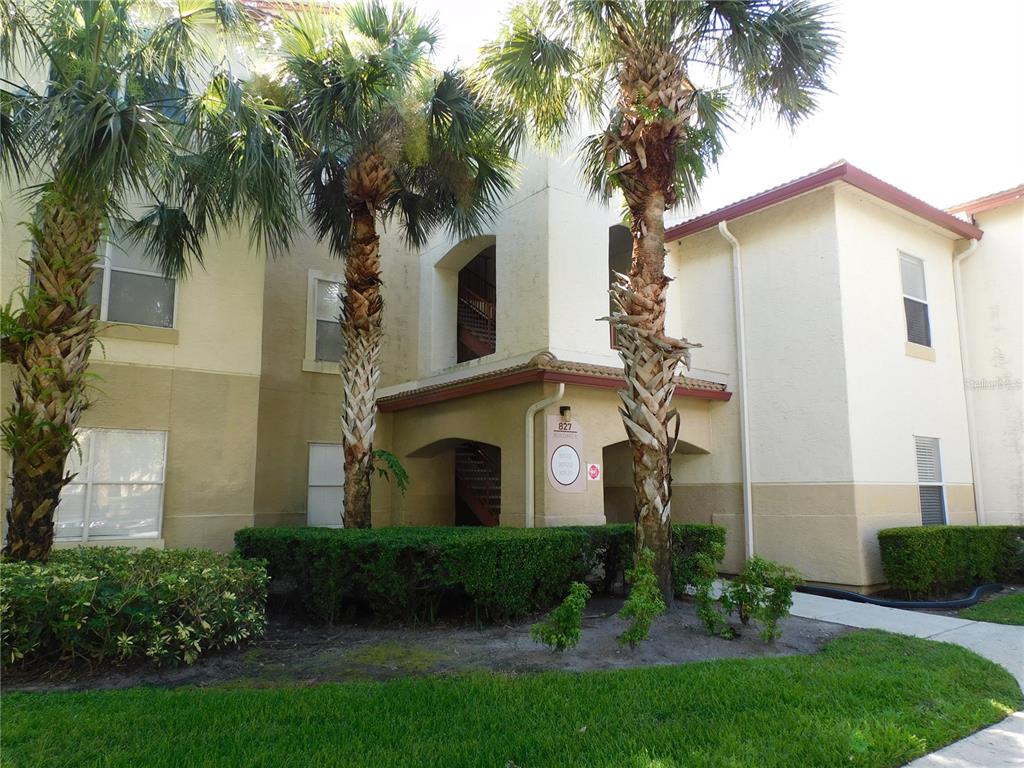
x,y
297,651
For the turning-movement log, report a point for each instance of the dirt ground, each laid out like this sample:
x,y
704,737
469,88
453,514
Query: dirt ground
x,y
294,652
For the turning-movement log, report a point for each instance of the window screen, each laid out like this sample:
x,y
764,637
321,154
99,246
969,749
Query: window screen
x,y
137,291
117,491
915,301
929,478
329,344
324,499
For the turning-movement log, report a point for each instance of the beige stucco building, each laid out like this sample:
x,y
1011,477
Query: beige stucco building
x,y
827,402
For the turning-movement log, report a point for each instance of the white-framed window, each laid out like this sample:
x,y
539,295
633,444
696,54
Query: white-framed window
x,y
325,498
323,310
915,300
130,288
118,488
929,481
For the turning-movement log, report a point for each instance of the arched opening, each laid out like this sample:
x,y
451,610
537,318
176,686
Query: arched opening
x,y
456,481
618,478
477,484
620,257
476,327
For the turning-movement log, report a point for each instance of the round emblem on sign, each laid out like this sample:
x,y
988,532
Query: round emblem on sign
x,y
565,465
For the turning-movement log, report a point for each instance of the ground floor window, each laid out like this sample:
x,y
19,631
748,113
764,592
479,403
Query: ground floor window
x,y
324,494
929,481
118,486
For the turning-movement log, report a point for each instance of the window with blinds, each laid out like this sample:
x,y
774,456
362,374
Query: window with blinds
x,y
929,481
324,499
117,486
915,301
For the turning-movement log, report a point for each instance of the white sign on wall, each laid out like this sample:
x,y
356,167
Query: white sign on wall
x,y
566,471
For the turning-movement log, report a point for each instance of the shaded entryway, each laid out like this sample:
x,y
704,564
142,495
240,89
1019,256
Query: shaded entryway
x,y
477,484
618,478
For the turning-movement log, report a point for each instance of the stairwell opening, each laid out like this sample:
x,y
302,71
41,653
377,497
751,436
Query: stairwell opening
x,y
477,484
476,326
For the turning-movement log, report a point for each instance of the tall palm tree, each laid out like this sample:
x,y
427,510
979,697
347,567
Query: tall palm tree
x,y
382,136
631,67
120,125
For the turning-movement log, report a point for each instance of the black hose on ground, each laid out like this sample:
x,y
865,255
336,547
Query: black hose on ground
x,y
856,597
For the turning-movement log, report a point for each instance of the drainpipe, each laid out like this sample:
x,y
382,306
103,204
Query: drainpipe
x,y
964,364
741,370
528,465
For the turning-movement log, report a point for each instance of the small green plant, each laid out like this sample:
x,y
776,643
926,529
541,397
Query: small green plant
x,y
762,591
644,601
561,629
387,465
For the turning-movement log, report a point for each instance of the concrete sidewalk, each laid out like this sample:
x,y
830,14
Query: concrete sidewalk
x,y
998,746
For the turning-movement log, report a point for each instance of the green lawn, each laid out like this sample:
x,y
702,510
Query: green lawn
x,y
1001,610
868,699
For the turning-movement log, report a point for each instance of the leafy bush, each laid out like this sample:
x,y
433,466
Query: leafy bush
x,y
415,574
930,561
561,629
119,604
644,601
763,591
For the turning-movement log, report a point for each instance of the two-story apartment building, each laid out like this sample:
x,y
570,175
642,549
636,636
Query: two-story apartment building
x,y
828,400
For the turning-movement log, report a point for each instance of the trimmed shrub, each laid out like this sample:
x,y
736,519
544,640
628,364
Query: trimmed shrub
x,y
930,561
415,574
763,591
644,601
118,604
561,629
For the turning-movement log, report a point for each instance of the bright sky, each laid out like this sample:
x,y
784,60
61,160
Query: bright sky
x,y
928,95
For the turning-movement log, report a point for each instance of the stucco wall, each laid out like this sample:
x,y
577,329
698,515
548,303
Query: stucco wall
x,y
993,296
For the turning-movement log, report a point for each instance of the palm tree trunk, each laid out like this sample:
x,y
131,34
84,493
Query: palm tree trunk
x,y
50,357
650,360
361,315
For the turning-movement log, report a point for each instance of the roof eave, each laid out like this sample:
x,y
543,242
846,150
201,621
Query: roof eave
x,y
840,172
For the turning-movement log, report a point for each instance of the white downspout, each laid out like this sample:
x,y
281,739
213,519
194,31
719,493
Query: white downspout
x,y
741,370
961,323
528,465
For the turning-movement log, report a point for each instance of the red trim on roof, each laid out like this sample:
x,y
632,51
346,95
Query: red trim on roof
x,y
514,378
839,172
987,203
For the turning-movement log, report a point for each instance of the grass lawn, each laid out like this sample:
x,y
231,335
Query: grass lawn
x,y
1008,609
868,699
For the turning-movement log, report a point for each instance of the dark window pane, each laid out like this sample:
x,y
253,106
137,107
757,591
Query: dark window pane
x,y
918,329
328,341
933,505
140,299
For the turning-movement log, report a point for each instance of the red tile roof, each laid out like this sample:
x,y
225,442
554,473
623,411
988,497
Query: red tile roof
x,y
542,367
840,171
988,202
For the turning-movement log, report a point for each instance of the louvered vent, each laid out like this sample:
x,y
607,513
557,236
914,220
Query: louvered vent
x,y
929,478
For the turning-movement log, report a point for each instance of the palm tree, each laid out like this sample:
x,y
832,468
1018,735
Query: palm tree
x,y
630,67
115,129
381,136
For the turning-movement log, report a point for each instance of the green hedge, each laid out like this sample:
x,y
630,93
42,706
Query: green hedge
x,y
118,604
934,560
417,574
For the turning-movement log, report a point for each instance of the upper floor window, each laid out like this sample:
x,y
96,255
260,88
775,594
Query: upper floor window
x,y
931,491
915,301
118,486
323,329
130,288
